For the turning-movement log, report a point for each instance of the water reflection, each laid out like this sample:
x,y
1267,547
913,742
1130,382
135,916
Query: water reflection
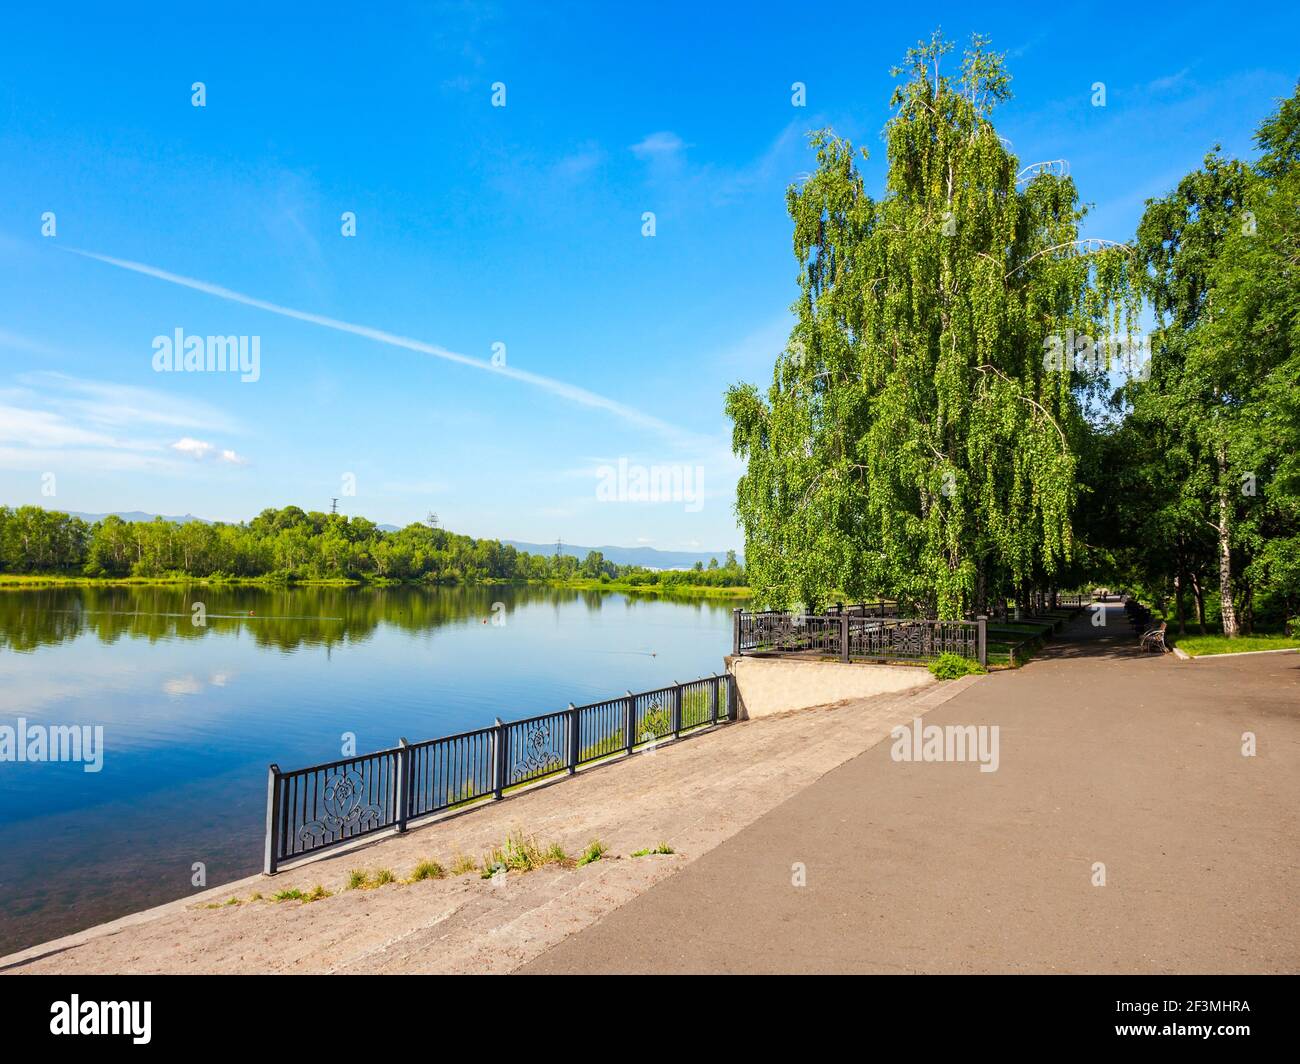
x,y
192,714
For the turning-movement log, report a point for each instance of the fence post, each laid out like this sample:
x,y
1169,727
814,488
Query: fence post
x,y
677,710
573,739
844,637
735,631
629,720
403,782
713,701
272,858
498,759
982,639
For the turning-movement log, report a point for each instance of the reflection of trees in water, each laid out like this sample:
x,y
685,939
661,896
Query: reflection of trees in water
x,y
281,618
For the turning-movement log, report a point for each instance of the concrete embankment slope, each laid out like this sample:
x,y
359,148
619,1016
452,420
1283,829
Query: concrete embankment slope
x,y
1106,756
691,795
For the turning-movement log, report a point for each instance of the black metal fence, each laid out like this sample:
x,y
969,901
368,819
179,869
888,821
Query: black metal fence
x,y
854,636
312,809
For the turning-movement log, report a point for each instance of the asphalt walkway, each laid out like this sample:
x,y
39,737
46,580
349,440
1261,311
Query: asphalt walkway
x,y
1106,757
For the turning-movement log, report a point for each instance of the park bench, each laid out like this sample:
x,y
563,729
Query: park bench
x,y
1154,638
1138,616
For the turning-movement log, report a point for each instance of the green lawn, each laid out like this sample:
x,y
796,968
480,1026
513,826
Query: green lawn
x,y
1204,645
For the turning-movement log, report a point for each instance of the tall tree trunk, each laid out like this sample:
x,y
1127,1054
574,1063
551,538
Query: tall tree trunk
x,y
1178,599
1199,592
1226,608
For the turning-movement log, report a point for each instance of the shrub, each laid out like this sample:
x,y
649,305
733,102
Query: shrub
x,y
954,666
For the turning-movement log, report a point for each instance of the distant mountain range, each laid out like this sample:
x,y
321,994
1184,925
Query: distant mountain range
x,y
648,557
140,515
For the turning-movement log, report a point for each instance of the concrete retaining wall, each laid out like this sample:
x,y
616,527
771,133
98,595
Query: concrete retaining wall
x,y
776,685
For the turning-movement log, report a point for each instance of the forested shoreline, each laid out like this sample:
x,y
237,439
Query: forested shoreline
x,y
290,545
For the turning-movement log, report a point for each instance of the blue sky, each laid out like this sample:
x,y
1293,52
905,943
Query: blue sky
x,y
478,225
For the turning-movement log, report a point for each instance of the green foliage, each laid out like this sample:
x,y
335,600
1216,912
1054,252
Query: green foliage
x,y
1203,494
594,852
521,853
954,667
290,544
915,442
462,865
663,847
427,869
1204,645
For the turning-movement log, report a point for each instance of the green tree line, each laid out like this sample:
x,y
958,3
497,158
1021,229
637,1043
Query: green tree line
x,y
1201,483
964,412
291,544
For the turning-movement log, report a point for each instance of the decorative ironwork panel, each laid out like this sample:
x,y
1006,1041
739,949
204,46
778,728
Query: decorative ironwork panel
x,y
345,809
537,748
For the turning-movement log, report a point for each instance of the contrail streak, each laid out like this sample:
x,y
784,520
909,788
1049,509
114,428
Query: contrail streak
x,y
571,392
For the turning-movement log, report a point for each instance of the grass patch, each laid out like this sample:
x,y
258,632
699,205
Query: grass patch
x,y
663,847
462,865
954,666
1209,645
360,879
594,852
427,869
293,894
521,853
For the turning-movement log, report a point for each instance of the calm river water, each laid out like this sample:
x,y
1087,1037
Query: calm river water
x,y
192,714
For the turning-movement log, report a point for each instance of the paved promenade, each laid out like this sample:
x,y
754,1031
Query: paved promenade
x,y
691,795
1105,756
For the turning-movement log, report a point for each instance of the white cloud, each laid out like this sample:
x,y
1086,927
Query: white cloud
x,y
1170,81
201,449
110,404
45,428
562,389
662,145
189,445
579,164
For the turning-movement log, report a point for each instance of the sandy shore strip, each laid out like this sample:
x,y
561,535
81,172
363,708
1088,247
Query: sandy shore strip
x,y
691,795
